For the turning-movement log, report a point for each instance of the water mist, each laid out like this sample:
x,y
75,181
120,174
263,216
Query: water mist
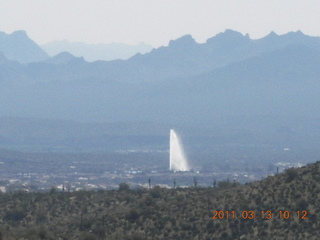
x,y
178,161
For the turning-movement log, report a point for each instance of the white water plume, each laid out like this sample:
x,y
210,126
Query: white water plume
x,y
178,161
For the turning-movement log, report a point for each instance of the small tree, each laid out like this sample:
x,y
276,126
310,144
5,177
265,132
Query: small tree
x,y
124,186
291,173
53,190
224,184
132,215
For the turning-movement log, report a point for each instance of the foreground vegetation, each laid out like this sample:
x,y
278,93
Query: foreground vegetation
x,y
159,213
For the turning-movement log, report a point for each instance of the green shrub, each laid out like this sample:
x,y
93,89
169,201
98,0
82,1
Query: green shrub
x,y
14,215
124,186
132,215
291,174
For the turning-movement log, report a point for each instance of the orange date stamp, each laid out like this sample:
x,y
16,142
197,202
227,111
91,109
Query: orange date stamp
x,y
259,215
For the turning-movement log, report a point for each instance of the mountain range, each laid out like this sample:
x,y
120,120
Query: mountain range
x,y
228,75
94,52
229,83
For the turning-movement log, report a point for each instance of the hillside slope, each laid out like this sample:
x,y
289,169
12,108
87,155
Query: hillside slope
x,y
172,213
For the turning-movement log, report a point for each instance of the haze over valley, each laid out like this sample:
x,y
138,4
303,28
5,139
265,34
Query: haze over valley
x,y
234,100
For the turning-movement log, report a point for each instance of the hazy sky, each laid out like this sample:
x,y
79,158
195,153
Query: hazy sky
x,y
155,21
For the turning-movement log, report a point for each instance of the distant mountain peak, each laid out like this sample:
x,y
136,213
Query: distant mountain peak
x,y
185,40
299,32
64,58
295,35
272,34
228,38
20,33
65,54
17,46
228,33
